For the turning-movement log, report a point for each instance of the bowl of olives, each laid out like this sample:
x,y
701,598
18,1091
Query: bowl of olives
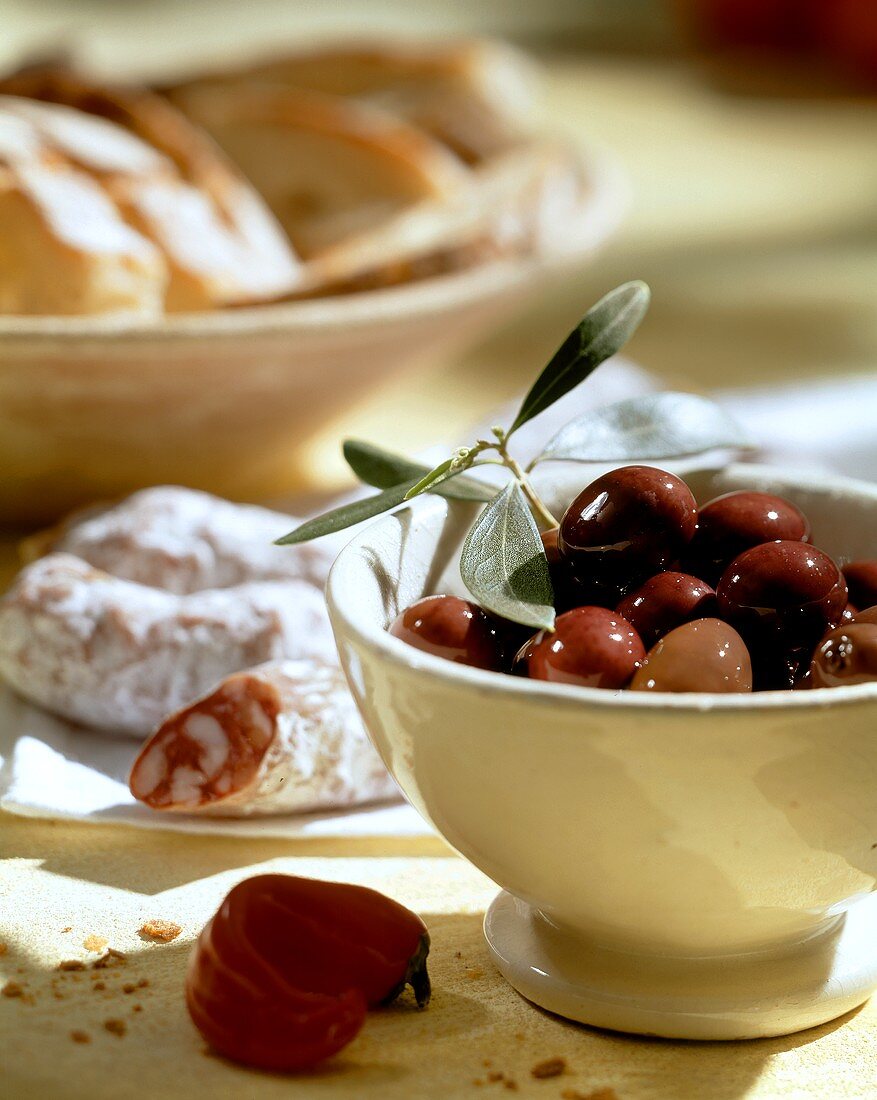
x,y
674,788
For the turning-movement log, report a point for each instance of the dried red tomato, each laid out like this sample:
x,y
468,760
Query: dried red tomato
x,y
281,977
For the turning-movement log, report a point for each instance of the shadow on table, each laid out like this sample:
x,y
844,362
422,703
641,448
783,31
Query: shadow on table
x,y
400,1048
475,1026
151,861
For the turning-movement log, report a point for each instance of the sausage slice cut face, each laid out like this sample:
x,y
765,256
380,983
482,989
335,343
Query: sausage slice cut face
x,y
283,736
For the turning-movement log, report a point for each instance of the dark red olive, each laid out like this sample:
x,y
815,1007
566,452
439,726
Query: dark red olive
x,y
861,578
627,524
866,615
780,596
666,601
775,668
590,646
738,521
449,627
847,656
569,590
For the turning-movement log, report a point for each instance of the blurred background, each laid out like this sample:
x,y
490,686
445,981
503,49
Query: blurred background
x,y
747,131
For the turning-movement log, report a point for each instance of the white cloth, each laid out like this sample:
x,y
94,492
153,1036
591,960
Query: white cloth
x,y
51,769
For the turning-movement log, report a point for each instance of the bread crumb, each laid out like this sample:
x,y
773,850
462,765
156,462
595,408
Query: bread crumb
x,y
143,983
58,995
99,985
12,989
162,930
551,1067
137,1008
94,943
474,972
511,1084
4,948
71,964
116,1027
598,1094
80,1036
69,928
128,987
111,958
495,1075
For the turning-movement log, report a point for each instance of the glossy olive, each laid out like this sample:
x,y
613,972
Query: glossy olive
x,y
866,615
666,601
590,646
704,655
569,590
776,667
730,524
861,578
782,595
450,627
847,656
627,524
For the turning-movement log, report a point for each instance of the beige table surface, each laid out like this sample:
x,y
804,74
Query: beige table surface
x,y
755,224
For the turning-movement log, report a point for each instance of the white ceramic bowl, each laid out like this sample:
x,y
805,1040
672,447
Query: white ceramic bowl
x,y
687,865
96,407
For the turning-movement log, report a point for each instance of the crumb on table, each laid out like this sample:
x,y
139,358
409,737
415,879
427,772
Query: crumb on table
x,y
80,1036
597,1094
4,948
12,989
111,958
162,930
94,943
71,964
550,1067
116,1027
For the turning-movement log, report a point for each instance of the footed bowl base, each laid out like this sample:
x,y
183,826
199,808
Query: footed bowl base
x,y
743,996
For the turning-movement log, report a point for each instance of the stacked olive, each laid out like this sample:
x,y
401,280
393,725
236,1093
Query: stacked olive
x,y
654,594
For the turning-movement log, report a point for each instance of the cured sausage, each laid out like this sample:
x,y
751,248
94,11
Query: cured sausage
x,y
119,656
284,737
183,541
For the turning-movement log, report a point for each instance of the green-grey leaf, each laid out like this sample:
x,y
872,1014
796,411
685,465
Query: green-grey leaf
x,y
347,515
662,425
603,331
432,479
385,470
503,563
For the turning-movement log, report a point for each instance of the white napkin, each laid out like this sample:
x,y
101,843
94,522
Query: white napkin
x,y
50,769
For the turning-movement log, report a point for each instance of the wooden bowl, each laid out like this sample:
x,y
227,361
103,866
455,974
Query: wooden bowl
x,y
95,407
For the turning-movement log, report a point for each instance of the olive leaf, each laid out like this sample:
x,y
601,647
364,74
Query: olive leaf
x,y
661,425
432,478
603,331
385,470
347,515
503,562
